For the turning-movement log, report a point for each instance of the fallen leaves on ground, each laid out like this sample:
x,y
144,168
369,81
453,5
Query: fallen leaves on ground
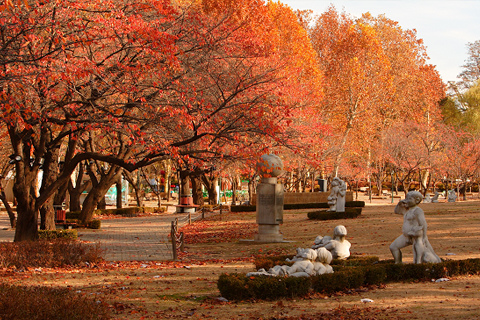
x,y
214,230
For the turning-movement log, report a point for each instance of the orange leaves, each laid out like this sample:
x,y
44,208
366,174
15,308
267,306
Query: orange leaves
x,y
208,231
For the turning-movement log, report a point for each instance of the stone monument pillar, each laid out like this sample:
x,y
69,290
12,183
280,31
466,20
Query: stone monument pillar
x,y
269,199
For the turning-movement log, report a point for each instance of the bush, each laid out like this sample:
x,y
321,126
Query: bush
x,y
48,254
347,276
58,234
48,303
296,206
239,287
124,212
94,224
243,208
350,213
269,262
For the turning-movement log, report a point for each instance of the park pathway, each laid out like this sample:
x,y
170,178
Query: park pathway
x,y
124,239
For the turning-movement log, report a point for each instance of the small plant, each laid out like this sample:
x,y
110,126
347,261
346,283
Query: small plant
x,y
349,213
58,234
48,254
240,287
94,224
48,303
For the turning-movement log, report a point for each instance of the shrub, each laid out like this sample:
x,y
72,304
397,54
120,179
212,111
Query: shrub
x,y
345,277
349,213
243,208
124,212
58,234
355,260
153,209
48,254
94,224
48,303
239,287
269,262
296,206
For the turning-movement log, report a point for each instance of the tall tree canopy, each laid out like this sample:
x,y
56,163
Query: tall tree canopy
x,y
130,82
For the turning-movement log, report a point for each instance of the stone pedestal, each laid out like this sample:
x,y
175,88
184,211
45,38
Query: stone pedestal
x,y
269,210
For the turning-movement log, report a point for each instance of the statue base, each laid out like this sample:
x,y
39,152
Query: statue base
x,y
267,233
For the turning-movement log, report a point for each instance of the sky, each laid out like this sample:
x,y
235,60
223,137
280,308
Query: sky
x,y
446,26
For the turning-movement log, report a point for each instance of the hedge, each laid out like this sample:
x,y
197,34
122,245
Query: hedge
x,y
350,213
345,277
58,234
267,262
124,212
239,287
294,206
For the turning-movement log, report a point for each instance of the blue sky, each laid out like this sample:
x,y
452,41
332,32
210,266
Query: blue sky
x,y
446,26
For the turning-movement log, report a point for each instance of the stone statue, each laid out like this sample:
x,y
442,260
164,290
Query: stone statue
x,y
452,196
435,197
338,246
336,199
269,199
414,231
427,199
312,262
322,264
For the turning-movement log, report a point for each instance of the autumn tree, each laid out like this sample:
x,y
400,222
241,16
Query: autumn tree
x,y
147,80
471,69
357,77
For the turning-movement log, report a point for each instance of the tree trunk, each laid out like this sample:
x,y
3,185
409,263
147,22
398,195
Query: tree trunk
x,y
184,182
136,189
102,204
197,190
50,175
11,213
209,181
75,194
98,193
234,190
118,185
47,216
27,221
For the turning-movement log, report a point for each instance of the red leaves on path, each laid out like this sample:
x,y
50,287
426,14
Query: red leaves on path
x,y
214,230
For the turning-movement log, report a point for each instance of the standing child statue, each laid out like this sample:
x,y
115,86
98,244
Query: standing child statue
x,y
336,199
452,197
414,231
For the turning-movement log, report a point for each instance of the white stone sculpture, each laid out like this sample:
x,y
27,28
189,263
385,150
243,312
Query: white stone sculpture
x,y
336,199
269,166
322,264
414,231
313,262
321,241
338,246
269,200
427,199
452,196
435,197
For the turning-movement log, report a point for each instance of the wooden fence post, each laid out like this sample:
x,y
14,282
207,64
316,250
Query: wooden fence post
x,y
173,236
